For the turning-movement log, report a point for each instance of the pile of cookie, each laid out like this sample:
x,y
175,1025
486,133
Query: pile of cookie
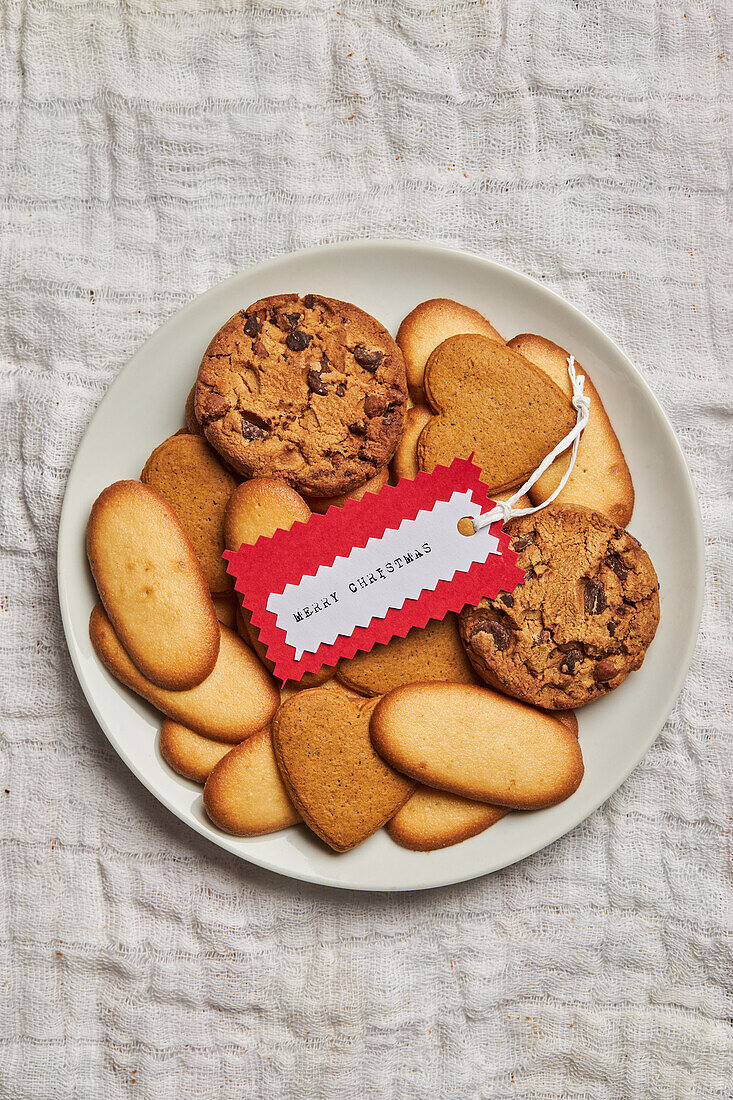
x,y
300,404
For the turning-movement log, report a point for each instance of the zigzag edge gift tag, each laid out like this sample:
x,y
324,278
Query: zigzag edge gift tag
x,y
373,569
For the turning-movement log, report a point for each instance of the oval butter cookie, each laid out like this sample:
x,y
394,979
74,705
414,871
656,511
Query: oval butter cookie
x,y
259,508
432,819
476,743
150,582
189,753
404,463
428,325
600,478
238,698
244,794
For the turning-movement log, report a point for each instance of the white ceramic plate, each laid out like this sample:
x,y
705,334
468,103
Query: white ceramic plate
x,y
388,278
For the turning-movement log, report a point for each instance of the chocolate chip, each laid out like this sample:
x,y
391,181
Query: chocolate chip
x,y
259,349
298,340
252,326
316,383
542,638
605,669
273,317
309,301
615,562
325,361
571,660
369,360
507,599
523,542
253,428
594,597
612,624
293,318
358,429
375,404
340,389
214,406
499,633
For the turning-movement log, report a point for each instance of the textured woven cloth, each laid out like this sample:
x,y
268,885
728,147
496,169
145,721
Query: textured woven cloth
x,y
151,149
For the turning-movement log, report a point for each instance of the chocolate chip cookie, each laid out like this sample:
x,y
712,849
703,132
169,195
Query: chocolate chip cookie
x,y
581,621
308,389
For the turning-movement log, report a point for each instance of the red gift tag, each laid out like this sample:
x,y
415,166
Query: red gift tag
x,y
373,569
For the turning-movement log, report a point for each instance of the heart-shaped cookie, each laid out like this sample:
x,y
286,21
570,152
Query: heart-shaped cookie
x,y
491,402
342,788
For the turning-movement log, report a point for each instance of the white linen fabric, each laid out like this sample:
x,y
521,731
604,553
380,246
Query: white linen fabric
x,y
151,149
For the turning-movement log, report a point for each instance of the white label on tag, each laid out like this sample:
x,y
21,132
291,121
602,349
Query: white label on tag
x,y
396,567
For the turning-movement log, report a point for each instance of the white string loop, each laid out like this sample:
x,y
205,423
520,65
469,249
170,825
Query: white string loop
x,y
504,509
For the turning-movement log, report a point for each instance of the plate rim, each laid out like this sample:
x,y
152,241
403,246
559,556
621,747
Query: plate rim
x,y
224,840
